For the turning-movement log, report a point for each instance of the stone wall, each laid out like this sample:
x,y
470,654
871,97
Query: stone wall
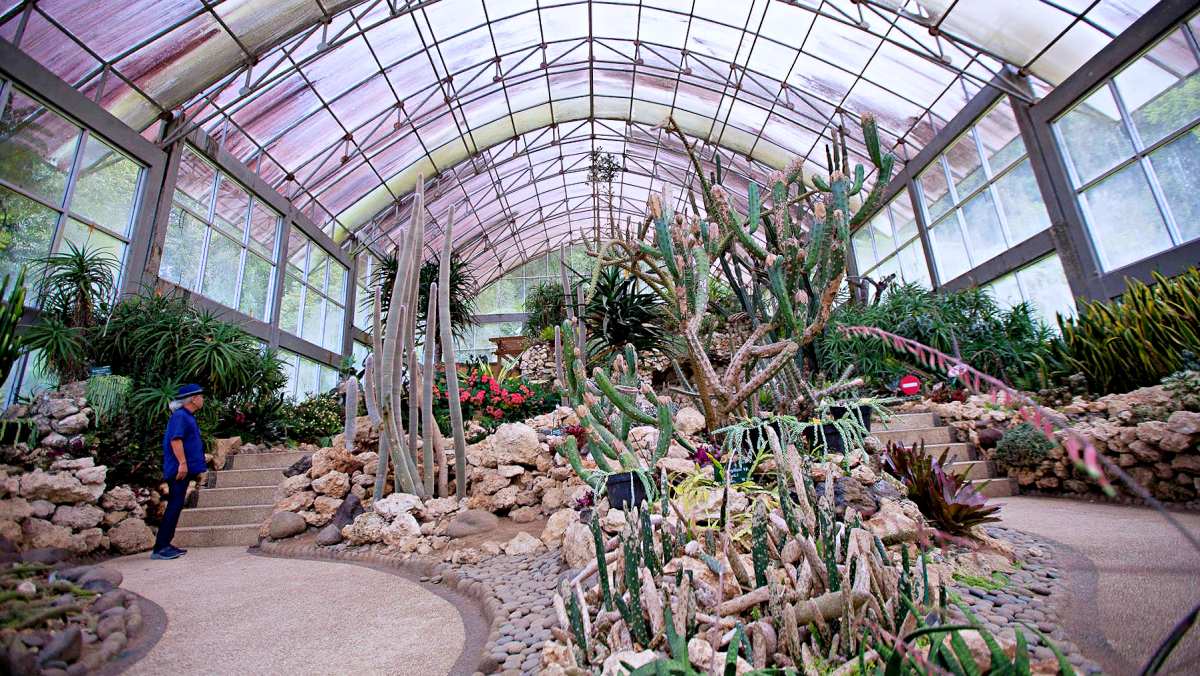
x,y
1142,431
537,363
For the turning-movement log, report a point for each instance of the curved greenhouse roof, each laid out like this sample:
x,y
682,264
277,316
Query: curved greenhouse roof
x,y
342,105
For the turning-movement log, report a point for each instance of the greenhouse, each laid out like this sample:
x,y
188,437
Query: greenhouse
x,y
599,336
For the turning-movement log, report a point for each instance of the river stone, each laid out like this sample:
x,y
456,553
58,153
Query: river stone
x,y
285,525
301,466
471,522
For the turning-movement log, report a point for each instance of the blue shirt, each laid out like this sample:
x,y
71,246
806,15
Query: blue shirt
x,y
182,426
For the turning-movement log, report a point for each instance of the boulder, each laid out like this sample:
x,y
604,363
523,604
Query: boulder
x,y
849,492
370,461
346,512
509,471
438,507
335,484
119,498
505,498
296,502
556,527
487,482
223,449
285,525
88,540
328,460
58,488
292,485
396,504
525,514
553,499
689,420
59,408
891,524
78,517
367,528
578,548
471,522
330,535
15,509
522,543
72,424
131,536
39,533
301,466
92,475
515,444
43,509
55,440
325,504
403,527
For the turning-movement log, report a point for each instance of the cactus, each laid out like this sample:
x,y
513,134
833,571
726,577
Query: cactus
x,y
647,537
451,365
429,428
601,562
349,429
11,309
759,550
631,612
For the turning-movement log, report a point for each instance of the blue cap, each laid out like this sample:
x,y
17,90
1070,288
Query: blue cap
x,y
188,390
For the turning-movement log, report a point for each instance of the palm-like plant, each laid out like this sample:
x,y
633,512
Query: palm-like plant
x,y
62,349
12,306
620,313
76,284
544,307
463,291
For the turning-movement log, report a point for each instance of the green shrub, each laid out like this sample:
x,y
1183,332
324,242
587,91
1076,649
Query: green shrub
x,y
1137,339
1011,344
1022,446
315,418
622,313
544,309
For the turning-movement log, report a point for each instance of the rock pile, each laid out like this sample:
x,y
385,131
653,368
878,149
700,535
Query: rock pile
x,y
69,508
1141,431
537,363
61,417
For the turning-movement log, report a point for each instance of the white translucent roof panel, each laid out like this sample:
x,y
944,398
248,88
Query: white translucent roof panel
x,y
343,104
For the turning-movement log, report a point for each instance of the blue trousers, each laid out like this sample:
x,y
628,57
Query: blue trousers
x,y
176,492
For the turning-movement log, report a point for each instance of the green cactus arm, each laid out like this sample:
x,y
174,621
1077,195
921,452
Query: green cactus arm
x,y
623,403
820,184
662,238
601,561
569,451
666,429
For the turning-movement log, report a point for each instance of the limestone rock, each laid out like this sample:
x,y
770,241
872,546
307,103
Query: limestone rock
x,y
119,498
515,444
700,653
436,508
556,527
88,540
689,420
285,525
367,528
401,528
15,509
487,482
335,484
78,517
131,536
59,408
325,504
328,460
92,475
676,465
38,533
72,424
509,471
224,449
370,461
313,518
525,514
43,509
577,545
522,543
471,522
505,498
11,531
891,524
396,504
612,665
296,502
292,485
58,488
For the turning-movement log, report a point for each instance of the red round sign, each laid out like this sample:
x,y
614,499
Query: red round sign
x,y
910,385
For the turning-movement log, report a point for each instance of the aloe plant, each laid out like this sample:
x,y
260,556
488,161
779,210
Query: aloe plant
x,y
11,309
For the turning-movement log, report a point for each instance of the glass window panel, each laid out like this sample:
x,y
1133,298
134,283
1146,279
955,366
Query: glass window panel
x,y
26,231
903,220
1022,203
337,281
934,191
256,287
106,188
297,251
264,228
329,378
332,338
864,254
912,265
890,266
1045,287
966,168
362,313
486,302
233,203
508,295
881,232
1177,166
313,315
181,251
83,235
37,147
1006,290
983,229
194,188
1125,223
1000,137
220,269
290,373
949,252
289,309
309,380
318,262
1094,138
1161,90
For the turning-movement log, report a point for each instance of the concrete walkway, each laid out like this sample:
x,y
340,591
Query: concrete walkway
x,y
231,612
1131,577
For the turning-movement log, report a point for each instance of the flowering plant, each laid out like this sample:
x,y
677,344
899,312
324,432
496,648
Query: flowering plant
x,y
491,401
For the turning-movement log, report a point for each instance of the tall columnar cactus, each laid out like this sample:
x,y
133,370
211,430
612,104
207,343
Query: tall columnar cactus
x,y
349,428
11,308
429,426
448,360
785,259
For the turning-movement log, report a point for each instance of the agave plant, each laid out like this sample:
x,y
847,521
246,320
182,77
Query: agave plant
x,y
944,497
620,313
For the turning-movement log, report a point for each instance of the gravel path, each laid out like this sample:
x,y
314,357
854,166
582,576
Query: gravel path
x,y
229,612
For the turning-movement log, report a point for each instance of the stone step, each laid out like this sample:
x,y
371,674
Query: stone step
x,y
970,469
957,452
266,460
242,478
996,488
235,497
906,421
930,435
244,535
225,516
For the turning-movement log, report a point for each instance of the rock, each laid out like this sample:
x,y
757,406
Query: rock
x,y
72,424
556,527
515,444
676,465
109,626
509,471
578,548
78,517
328,460
850,492
64,647
438,507
55,440
92,475
689,420
988,437
700,653
613,664
402,527
119,498
891,524
131,536
643,438
27,589
59,408
505,498
285,525
522,543
296,502
43,509
370,461
350,508
471,522
330,535
72,464
613,521
39,533
58,488
109,575
335,483
367,528
301,466
525,514
326,505
15,509
396,504
224,449
292,485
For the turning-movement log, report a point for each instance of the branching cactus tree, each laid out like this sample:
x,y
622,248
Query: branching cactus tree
x,y
785,259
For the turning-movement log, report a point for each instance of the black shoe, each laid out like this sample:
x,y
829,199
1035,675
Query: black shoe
x,y
181,550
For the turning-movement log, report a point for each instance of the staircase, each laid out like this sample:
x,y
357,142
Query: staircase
x,y
961,458
230,511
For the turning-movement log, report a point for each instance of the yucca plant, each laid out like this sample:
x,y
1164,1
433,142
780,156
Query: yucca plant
x,y
944,497
75,285
1137,339
11,308
61,349
107,395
